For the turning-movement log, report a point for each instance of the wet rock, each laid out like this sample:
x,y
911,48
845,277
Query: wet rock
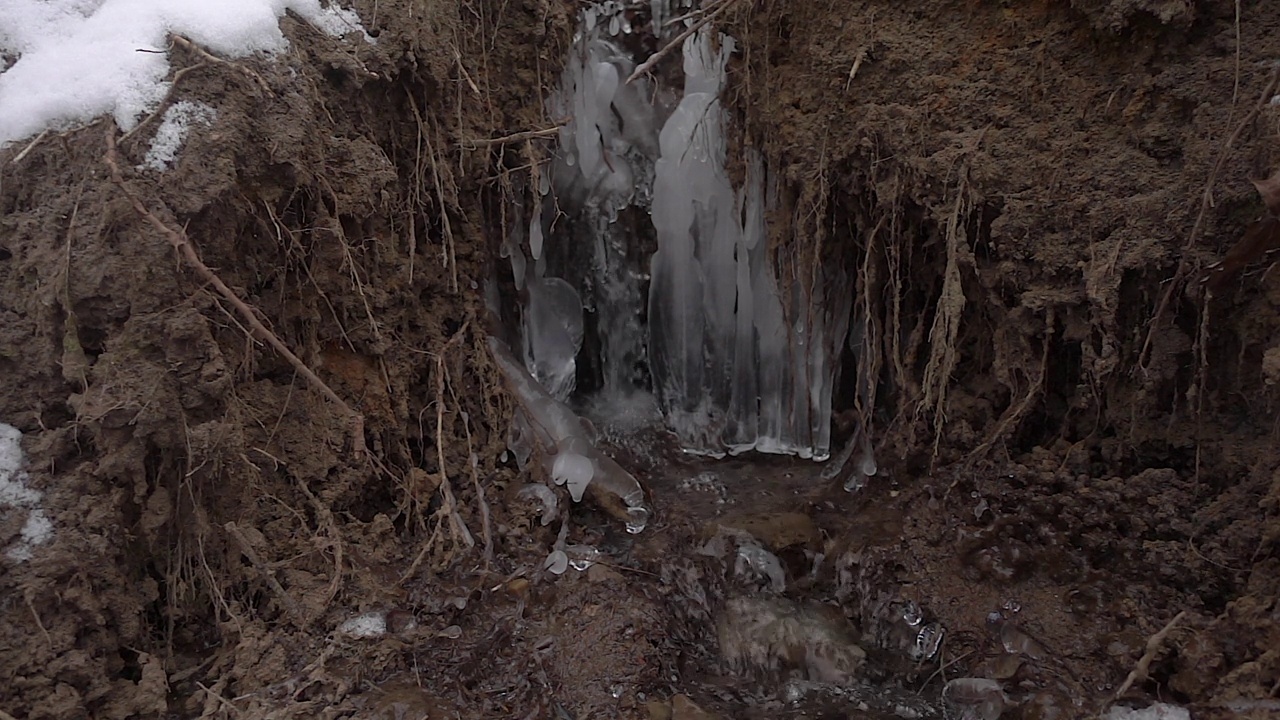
x,y
777,637
755,564
518,587
401,701
1017,642
975,698
1003,666
682,708
658,710
775,531
1158,711
602,574
1046,706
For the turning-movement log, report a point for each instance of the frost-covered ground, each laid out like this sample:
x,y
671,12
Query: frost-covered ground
x,y
16,497
80,59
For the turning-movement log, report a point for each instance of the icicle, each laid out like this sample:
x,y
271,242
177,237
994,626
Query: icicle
x,y
553,334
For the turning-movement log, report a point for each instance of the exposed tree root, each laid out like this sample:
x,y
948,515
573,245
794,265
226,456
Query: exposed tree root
x,y
946,324
291,606
180,242
1139,672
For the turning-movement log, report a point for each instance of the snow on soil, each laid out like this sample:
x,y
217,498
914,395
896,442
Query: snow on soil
x,y
79,59
15,496
177,121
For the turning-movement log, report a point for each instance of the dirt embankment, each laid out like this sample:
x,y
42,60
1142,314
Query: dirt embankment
x,y
1020,186
1074,307
210,510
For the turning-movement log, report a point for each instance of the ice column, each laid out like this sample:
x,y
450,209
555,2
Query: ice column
x,y
734,367
604,165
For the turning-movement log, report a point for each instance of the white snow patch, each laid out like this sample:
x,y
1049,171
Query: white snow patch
x,y
79,59
1159,711
174,126
16,496
366,626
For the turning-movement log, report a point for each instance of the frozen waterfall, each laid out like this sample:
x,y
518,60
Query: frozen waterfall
x,y
688,302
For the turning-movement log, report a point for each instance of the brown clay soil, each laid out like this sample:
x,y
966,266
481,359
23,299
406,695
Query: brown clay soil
x,y
1077,409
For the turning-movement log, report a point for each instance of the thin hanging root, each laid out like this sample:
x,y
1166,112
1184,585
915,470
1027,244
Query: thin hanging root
x,y
1139,673
1206,202
1015,413
946,325
485,523
513,138
325,516
450,507
180,242
448,254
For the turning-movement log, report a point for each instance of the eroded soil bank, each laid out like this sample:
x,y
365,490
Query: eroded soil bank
x,y
1076,409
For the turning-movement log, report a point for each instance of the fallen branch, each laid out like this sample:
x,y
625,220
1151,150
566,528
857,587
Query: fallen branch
x,y
178,239
1154,642
655,58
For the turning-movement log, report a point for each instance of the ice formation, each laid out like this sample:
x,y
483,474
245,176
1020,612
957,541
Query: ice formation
x,y
739,360
605,165
739,355
568,443
553,334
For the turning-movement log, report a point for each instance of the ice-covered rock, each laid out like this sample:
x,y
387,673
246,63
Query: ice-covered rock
x,y
567,445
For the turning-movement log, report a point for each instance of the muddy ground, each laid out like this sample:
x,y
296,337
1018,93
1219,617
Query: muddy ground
x,y
1076,318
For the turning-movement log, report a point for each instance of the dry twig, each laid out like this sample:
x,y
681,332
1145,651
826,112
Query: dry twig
x,y
512,138
180,242
18,158
210,57
678,40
